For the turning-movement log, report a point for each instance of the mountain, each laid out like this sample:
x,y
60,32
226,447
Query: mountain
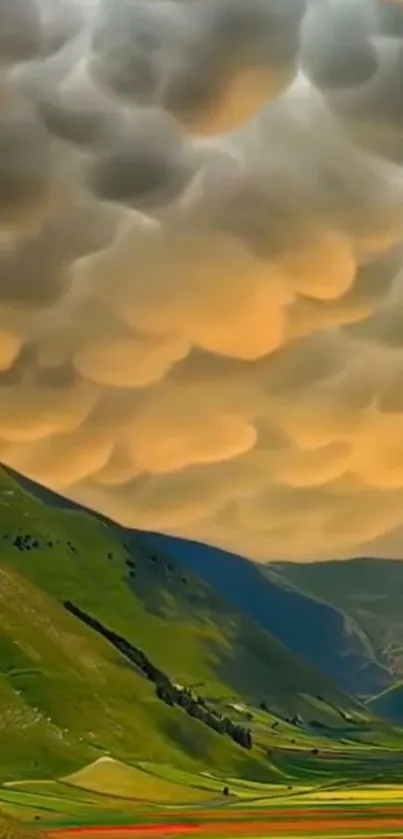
x,y
320,632
107,646
299,612
368,590
389,704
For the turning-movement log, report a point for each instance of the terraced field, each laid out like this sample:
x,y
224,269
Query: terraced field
x,y
110,800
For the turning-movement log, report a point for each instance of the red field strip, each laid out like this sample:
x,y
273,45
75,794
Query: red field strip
x,y
296,824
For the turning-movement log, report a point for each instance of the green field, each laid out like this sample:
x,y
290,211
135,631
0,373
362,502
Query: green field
x,y
115,796
13,829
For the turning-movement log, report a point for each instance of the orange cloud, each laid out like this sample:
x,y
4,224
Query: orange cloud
x,y
201,241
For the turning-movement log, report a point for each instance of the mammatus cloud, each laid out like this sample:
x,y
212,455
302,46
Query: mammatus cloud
x,y
201,265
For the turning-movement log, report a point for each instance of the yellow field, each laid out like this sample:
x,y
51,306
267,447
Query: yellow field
x,y
382,794
110,777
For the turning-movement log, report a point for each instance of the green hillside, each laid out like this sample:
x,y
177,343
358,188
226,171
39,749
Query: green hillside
x,y
68,696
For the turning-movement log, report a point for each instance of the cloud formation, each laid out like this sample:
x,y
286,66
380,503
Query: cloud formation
x,y
201,265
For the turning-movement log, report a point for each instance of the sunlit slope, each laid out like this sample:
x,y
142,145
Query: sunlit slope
x,y
118,779
67,696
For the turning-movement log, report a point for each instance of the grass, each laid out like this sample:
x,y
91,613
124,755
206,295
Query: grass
x,y
11,829
67,697
306,807
110,786
108,793
108,776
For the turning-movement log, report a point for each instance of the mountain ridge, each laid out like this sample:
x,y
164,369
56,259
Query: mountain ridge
x,y
369,590
66,696
320,631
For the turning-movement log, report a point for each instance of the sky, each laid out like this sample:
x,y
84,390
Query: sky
x,y
201,266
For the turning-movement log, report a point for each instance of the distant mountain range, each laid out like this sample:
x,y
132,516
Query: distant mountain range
x,y
369,590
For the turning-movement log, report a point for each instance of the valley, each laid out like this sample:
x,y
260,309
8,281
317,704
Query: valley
x,y
134,696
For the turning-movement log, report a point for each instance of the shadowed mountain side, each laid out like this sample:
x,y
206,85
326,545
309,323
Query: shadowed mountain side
x,y
369,590
321,632
67,695
389,704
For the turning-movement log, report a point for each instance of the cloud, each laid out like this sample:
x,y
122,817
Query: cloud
x,y
210,65
26,184
201,273
336,46
20,30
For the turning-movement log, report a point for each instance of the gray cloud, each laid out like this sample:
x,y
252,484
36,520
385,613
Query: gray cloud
x,y
337,51
26,181
20,30
201,225
143,163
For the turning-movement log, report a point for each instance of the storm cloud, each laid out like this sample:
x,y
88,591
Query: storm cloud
x,y
201,265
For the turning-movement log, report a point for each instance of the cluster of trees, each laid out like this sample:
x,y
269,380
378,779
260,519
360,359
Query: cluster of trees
x,y
134,654
195,706
160,563
26,542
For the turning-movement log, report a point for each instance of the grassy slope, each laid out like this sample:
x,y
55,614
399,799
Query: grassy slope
x,y
66,696
333,615
321,634
369,590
